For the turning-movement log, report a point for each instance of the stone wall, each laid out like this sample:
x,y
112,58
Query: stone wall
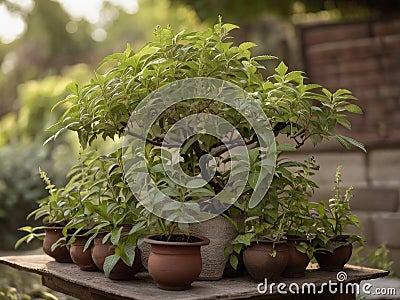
x,y
363,57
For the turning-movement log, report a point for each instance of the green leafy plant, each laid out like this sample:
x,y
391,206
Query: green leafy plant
x,y
105,205
285,210
52,210
298,112
333,217
376,258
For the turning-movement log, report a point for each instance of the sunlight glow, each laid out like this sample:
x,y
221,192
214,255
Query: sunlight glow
x,y
11,25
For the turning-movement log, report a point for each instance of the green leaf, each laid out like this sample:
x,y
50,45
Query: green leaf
x,y
327,93
253,178
234,261
264,57
129,251
116,235
285,147
347,142
109,264
344,122
21,240
195,183
247,45
228,27
341,92
294,76
281,69
353,109
244,239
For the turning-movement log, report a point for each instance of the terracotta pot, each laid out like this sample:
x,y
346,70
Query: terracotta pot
x,y
297,261
220,232
121,271
261,264
174,265
52,235
83,259
334,261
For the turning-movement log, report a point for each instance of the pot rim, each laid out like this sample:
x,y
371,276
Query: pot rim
x,y
204,241
53,227
267,241
297,238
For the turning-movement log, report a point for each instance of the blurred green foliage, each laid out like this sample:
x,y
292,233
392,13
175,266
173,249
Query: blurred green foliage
x,y
378,258
17,285
22,150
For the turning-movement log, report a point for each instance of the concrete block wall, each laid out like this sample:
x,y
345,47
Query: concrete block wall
x,y
375,177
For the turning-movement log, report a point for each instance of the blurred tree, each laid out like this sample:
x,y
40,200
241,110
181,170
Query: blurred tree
x,y
243,11
54,39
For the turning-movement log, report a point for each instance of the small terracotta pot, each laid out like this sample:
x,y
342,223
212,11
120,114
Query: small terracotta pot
x,y
334,261
121,271
83,259
261,264
297,261
175,265
52,235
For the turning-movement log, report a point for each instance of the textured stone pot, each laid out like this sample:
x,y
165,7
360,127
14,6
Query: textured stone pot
x,y
83,259
174,265
60,253
220,232
261,264
121,271
297,261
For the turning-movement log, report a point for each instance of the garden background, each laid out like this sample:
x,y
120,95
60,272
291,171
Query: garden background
x,y
45,44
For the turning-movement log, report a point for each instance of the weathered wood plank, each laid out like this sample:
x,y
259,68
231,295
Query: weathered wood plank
x,y
67,278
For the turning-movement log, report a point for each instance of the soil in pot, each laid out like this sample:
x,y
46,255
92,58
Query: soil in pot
x,y
297,261
83,259
334,261
121,271
60,253
260,264
176,263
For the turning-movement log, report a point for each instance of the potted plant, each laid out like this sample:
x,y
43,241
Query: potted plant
x,y
300,227
79,186
109,219
333,247
175,259
262,242
297,112
52,210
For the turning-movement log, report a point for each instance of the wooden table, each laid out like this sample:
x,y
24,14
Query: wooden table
x,y
68,279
